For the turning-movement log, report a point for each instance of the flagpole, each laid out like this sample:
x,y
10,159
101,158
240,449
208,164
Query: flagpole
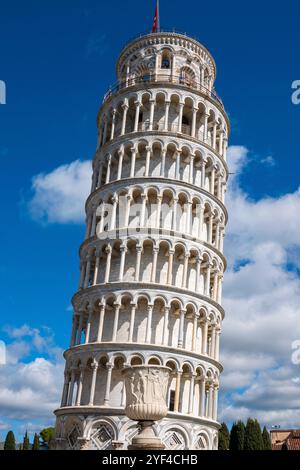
x,y
158,17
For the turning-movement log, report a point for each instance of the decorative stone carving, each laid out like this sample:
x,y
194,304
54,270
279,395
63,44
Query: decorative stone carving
x,y
146,393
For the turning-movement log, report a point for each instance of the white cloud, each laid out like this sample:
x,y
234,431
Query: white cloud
x,y
262,302
31,381
269,161
3,426
59,196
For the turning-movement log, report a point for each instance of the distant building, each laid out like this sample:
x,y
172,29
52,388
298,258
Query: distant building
x,y
285,439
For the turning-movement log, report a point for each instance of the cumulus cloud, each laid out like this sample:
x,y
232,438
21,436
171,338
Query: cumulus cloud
x,y
31,380
59,196
262,302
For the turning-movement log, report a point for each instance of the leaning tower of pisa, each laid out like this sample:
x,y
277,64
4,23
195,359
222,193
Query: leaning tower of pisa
x,y
152,260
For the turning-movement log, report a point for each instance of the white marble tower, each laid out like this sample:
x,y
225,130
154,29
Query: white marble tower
x,y
152,261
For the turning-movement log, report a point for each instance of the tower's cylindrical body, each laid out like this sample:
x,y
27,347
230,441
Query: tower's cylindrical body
x,y
152,261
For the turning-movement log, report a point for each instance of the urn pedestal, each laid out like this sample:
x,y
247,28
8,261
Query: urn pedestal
x,y
146,394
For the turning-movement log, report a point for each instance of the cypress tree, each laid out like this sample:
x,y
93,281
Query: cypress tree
x,y
10,442
223,437
237,436
253,436
36,443
26,443
266,439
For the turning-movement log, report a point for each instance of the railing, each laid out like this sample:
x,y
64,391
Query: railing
x,y
160,126
162,31
160,78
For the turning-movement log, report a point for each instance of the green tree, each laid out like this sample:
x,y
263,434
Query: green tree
x,y
36,443
237,436
253,436
223,437
10,442
26,443
266,439
47,435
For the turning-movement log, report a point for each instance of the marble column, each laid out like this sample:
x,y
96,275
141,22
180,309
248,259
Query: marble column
x,y
181,328
94,367
191,394
79,386
101,323
125,110
132,320
177,392
166,123
166,326
108,384
116,322
149,323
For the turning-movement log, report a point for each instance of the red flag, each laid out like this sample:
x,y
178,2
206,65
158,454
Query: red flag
x,y
155,26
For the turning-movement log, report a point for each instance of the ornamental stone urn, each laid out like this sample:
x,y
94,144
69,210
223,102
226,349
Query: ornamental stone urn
x,y
146,394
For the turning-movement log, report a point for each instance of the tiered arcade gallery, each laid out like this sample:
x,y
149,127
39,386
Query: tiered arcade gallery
x,y
151,264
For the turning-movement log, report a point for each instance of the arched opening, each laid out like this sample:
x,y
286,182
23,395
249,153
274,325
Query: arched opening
x,y
174,320
166,59
136,361
109,317
154,361
170,165
117,388
130,261
166,214
192,271
124,320
172,387
161,274
157,322
141,317
159,113
140,163
187,77
146,261
155,161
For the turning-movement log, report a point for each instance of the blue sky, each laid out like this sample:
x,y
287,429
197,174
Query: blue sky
x,y
57,60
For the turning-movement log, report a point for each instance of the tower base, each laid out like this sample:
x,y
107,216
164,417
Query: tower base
x,y
146,439
84,428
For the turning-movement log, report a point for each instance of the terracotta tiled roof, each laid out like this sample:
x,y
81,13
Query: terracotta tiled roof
x,y
293,441
276,446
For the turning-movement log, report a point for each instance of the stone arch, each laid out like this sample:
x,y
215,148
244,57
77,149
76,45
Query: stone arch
x,y
154,360
136,359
